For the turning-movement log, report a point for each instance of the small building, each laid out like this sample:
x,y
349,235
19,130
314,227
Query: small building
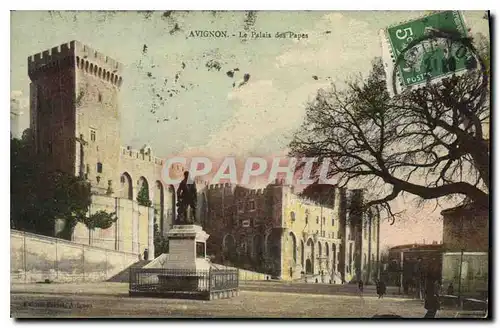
x,y
411,265
466,249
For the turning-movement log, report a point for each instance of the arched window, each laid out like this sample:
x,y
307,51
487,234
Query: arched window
x,y
269,245
126,186
170,205
293,246
257,247
158,205
243,245
143,192
302,252
229,247
99,167
334,251
310,254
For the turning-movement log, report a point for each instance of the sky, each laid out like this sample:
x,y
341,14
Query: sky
x,y
178,97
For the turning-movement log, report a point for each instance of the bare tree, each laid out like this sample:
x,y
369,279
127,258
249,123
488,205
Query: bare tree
x,y
429,142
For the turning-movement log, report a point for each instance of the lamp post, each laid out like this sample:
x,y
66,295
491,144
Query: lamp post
x,y
461,261
401,276
460,276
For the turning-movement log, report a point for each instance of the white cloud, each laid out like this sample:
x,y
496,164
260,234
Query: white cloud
x,y
262,110
20,99
19,104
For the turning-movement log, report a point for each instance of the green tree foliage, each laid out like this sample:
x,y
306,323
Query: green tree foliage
x,y
100,219
160,241
26,214
40,197
429,142
143,196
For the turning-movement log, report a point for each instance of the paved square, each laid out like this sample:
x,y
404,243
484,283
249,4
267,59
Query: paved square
x,y
111,300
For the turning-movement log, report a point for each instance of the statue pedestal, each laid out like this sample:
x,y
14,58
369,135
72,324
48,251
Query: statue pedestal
x,y
185,271
187,248
187,266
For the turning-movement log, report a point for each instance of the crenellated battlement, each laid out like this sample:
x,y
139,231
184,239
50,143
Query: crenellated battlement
x,y
85,58
47,57
240,191
144,154
340,194
219,186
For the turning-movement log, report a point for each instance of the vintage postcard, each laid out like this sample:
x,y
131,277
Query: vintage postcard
x,y
250,164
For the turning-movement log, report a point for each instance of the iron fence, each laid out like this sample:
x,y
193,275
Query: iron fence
x,y
159,280
223,279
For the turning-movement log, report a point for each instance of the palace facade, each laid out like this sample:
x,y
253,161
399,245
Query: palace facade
x,y
75,124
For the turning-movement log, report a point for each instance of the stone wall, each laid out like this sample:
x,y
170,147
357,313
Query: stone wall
x,y
141,166
35,258
474,273
132,233
98,124
251,275
240,223
52,117
466,228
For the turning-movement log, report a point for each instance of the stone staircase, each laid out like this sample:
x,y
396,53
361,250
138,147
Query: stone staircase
x,y
124,275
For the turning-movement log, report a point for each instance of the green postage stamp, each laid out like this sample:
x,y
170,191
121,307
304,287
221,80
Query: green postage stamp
x,y
424,50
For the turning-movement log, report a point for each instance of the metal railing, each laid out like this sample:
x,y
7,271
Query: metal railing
x,y
223,279
159,280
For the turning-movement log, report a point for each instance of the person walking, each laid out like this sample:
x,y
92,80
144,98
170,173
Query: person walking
x,y
450,290
431,302
360,287
383,288
380,288
377,287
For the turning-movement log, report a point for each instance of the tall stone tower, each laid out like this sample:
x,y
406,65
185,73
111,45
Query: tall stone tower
x,y
75,112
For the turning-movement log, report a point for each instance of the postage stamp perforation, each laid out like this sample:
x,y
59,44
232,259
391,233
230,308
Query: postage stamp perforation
x,y
409,20
437,80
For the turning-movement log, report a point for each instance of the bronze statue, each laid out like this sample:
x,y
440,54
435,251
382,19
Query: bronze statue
x,y
186,201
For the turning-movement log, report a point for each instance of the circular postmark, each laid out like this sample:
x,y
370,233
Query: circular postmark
x,y
435,57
